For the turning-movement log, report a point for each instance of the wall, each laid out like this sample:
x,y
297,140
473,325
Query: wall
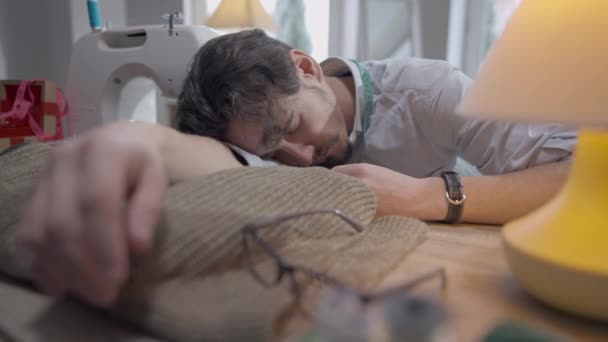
x,y
36,37
24,54
146,12
377,29
433,21
389,27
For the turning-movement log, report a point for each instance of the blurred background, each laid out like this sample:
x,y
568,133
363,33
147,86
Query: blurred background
x,y
36,36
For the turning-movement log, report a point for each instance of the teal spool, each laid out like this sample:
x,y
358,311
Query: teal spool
x,y
94,15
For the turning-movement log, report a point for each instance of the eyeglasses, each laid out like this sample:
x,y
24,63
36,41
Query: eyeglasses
x,y
299,276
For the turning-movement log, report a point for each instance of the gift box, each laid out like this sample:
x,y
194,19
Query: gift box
x,y
30,110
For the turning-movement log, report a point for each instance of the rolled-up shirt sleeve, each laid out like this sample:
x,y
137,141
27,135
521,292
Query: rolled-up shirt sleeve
x,y
497,147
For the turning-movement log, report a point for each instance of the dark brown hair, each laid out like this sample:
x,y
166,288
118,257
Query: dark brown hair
x,y
242,75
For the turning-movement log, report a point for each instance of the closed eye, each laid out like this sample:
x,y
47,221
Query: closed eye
x,y
272,136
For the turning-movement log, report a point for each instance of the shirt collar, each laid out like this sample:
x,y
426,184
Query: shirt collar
x,y
337,66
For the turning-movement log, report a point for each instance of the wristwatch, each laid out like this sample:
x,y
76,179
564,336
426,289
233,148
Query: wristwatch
x,y
455,196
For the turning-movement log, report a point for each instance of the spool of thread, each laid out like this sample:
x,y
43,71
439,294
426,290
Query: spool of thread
x,y
94,15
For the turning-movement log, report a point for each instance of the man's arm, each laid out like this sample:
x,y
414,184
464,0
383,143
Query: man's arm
x,y
183,156
495,147
490,199
99,200
501,198
188,156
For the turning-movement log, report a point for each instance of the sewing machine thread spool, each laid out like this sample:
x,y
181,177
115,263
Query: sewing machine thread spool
x,y
94,15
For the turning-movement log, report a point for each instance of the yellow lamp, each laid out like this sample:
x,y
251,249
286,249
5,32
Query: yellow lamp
x,y
241,14
551,64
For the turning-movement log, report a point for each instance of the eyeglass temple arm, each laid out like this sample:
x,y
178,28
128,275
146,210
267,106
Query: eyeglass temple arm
x,y
271,221
324,277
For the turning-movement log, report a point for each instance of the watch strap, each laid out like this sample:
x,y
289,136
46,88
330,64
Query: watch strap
x,y
454,195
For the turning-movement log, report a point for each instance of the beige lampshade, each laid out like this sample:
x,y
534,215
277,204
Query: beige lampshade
x,y
241,14
550,64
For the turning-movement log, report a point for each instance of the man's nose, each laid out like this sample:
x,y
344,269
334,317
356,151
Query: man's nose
x,y
295,154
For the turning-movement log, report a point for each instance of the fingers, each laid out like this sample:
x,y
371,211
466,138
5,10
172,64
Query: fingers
x,y
48,280
349,169
95,198
101,204
145,205
53,231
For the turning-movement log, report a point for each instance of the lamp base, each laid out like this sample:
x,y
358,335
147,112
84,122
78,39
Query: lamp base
x,y
572,290
560,252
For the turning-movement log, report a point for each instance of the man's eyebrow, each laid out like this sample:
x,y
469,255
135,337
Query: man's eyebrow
x,y
271,136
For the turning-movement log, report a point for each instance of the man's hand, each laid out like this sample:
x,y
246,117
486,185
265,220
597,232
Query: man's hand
x,y
399,194
490,199
98,200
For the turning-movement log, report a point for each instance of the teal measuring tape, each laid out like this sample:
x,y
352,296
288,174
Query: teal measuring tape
x,y
367,95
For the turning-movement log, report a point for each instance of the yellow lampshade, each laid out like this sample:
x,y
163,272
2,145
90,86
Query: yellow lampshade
x,y
551,64
241,14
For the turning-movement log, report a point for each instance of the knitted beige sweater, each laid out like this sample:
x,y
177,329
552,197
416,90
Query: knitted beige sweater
x,y
193,285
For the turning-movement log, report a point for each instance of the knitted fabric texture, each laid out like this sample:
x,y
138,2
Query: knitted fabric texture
x,y
194,285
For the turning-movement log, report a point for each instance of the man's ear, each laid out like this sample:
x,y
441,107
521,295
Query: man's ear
x,y
306,65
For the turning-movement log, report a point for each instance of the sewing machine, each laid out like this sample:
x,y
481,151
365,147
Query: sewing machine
x,y
114,74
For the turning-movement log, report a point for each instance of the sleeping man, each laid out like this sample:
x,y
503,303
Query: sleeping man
x,y
249,98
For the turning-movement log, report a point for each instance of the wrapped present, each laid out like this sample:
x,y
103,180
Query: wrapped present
x,y
30,110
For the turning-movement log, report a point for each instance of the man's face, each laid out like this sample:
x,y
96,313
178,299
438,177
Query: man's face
x,y
313,133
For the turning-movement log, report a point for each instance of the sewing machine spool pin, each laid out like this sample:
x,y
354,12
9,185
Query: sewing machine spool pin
x,y
172,19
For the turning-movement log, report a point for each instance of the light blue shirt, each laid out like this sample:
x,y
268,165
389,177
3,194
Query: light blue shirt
x,y
413,128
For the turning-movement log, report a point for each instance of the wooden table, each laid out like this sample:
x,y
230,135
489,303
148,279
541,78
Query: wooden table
x,y
482,291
